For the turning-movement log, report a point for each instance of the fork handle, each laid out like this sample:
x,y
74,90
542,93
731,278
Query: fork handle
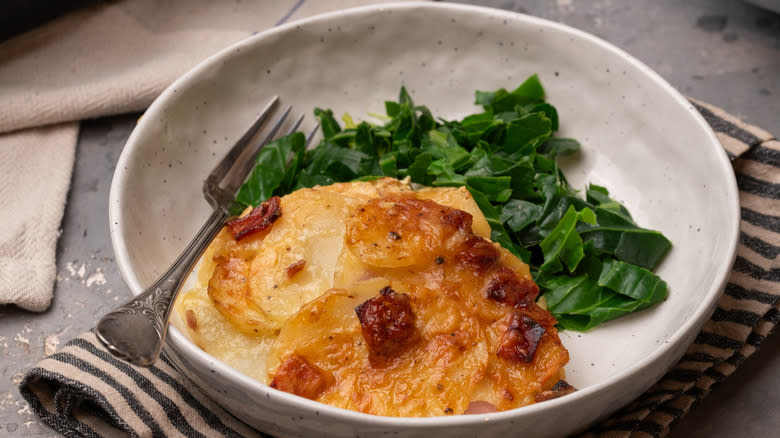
x,y
136,330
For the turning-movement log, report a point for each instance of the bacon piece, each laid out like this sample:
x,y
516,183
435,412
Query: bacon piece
x,y
260,218
480,407
479,254
558,390
507,287
459,219
298,376
521,338
387,322
192,320
295,268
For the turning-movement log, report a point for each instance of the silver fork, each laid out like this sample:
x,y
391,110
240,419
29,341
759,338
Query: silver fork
x,y
136,330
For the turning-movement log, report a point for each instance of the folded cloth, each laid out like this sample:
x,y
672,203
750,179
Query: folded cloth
x,y
84,391
113,58
35,168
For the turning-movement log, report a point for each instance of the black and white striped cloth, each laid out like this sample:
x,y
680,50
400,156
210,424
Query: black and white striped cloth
x,y
83,391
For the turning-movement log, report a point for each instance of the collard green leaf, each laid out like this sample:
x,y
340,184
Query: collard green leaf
x,y
271,170
518,214
556,147
632,281
530,91
599,196
580,303
527,132
328,123
496,188
404,98
418,170
389,165
442,146
572,295
637,246
563,246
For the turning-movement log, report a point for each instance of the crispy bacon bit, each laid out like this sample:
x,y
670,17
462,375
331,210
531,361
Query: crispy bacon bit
x,y
520,339
479,254
298,376
387,322
295,268
480,407
192,321
507,287
457,218
558,390
259,219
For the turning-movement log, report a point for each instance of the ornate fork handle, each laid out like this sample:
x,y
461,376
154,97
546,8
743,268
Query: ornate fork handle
x,y
136,331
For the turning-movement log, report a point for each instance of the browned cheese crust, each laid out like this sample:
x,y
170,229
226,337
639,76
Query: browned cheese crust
x,y
422,314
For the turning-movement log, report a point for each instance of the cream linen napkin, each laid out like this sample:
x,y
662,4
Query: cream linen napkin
x,y
109,59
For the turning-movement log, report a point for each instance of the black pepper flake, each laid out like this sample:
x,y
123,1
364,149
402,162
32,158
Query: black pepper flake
x,y
439,260
448,410
392,235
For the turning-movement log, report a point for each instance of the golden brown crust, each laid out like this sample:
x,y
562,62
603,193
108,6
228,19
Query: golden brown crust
x,y
297,376
383,300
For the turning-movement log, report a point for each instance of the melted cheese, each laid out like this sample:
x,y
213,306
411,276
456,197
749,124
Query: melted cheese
x,y
291,292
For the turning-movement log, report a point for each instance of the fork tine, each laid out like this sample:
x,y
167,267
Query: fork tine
x,y
295,125
310,135
229,159
241,169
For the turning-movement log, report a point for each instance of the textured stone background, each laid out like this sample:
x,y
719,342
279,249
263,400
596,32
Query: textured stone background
x,y
726,52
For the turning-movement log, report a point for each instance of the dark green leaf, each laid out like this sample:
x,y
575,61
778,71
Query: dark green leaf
x,y
526,132
328,123
442,146
637,246
496,188
389,165
556,147
518,214
632,281
530,91
599,196
563,246
271,169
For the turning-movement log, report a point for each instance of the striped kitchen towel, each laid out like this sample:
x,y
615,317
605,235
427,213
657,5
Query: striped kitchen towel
x,y
83,391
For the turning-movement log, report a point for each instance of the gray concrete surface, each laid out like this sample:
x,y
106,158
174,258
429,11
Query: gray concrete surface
x,y
726,52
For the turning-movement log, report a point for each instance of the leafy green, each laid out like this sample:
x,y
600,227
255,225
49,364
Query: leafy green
x,y
592,262
563,246
275,171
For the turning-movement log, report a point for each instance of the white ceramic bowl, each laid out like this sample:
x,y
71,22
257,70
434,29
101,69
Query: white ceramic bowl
x,y
640,138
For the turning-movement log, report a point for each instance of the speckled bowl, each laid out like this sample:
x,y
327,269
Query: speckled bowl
x,y
640,138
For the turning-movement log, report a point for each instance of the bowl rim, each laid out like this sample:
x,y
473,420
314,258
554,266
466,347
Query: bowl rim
x,y
183,345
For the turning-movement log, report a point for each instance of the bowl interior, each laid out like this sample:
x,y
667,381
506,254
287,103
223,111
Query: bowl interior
x,y
640,139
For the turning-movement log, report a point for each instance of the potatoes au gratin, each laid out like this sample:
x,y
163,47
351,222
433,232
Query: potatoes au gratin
x,y
375,297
